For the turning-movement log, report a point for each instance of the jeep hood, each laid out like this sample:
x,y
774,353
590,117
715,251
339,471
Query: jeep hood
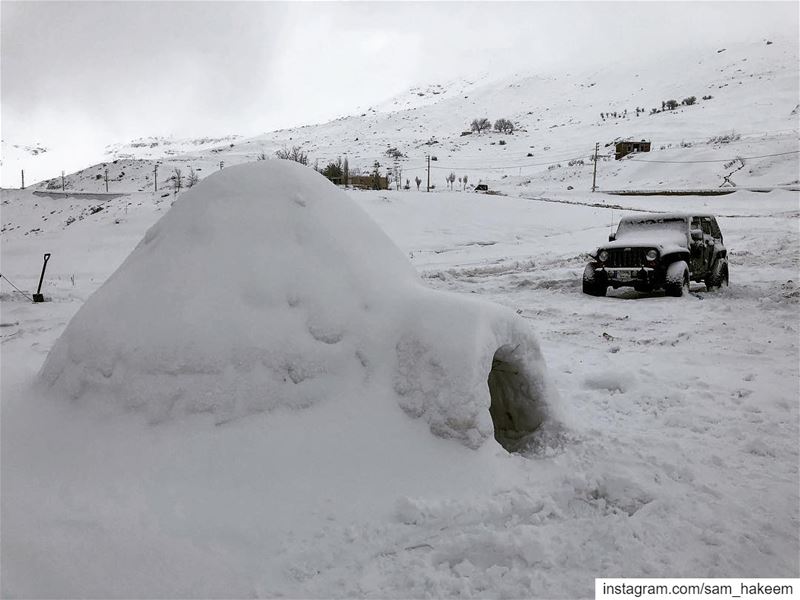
x,y
666,242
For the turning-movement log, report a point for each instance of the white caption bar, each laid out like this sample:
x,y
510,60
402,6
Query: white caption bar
x,y
698,588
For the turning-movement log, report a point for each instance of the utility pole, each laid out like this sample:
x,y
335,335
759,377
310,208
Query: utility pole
x,y
106,179
23,179
594,172
155,178
429,174
63,186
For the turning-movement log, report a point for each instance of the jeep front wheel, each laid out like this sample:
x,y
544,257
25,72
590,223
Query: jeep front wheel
x,y
718,276
677,279
594,284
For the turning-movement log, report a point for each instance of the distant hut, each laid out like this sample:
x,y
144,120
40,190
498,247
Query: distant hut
x,y
628,147
369,182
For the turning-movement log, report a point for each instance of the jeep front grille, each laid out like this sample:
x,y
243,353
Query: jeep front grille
x,y
626,257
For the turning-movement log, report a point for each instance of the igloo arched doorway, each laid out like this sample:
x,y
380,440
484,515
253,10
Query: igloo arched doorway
x,y
516,407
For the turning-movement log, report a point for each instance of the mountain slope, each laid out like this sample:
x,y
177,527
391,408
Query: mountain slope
x,y
746,106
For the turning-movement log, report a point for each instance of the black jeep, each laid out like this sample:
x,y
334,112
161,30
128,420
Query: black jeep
x,y
659,251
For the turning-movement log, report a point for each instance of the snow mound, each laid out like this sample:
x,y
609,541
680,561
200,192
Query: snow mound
x,y
265,287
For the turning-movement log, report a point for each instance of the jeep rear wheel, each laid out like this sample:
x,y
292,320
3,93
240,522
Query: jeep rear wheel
x,y
593,284
677,279
718,276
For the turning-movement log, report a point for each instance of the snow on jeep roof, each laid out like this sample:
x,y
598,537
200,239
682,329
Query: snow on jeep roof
x,y
662,217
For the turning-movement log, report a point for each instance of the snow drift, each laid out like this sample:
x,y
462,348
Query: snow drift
x,y
263,288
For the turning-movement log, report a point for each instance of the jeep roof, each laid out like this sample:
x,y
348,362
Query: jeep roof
x,y
666,216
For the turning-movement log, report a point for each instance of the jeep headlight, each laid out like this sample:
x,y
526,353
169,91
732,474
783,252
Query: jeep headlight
x,y
602,255
651,255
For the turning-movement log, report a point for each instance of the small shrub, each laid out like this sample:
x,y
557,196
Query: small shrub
x,y
724,138
394,153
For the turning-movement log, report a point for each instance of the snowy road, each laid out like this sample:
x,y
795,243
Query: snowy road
x,y
681,457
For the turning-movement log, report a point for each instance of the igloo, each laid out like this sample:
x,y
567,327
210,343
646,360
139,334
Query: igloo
x,y
265,287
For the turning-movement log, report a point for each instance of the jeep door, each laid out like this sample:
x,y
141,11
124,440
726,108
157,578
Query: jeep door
x,y
697,249
709,242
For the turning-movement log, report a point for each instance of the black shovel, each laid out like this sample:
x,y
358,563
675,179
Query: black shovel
x,y
38,296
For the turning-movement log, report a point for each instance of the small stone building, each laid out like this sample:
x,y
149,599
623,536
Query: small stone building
x,y
628,147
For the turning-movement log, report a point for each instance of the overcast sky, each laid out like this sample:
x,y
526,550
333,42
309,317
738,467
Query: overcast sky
x,y
85,74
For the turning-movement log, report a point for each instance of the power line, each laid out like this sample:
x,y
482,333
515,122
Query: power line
x,y
723,160
518,166
565,154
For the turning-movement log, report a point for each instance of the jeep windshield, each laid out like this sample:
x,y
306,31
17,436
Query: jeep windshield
x,y
653,230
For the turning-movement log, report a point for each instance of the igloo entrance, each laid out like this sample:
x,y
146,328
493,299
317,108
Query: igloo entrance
x,y
516,407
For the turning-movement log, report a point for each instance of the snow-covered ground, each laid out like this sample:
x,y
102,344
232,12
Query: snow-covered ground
x,y
680,457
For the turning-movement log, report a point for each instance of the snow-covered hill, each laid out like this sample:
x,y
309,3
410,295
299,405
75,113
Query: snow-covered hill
x,y
158,147
746,99
746,107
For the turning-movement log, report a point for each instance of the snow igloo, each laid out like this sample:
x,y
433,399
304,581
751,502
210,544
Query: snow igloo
x,y
265,287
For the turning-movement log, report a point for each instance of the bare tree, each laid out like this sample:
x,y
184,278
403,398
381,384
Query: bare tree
x,y
191,178
465,182
417,180
296,154
451,179
480,125
177,179
376,176
261,156
504,126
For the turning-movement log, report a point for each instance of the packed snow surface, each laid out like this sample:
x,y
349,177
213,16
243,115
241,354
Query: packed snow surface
x,y
679,455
